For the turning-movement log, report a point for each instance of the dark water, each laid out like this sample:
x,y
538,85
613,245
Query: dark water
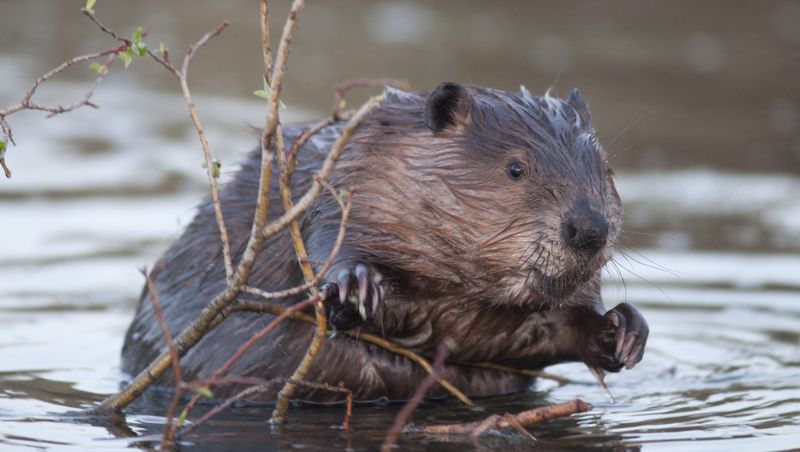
x,y
698,104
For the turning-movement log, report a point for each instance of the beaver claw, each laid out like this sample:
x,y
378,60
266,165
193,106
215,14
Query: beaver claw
x,y
354,297
620,340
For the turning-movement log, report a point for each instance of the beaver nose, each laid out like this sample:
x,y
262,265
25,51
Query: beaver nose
x,y
586,230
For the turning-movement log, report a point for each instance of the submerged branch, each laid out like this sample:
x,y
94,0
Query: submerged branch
x,y
423,388
524,419
176,361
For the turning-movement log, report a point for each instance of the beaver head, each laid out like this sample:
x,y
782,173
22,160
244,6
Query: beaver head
x,y
507,198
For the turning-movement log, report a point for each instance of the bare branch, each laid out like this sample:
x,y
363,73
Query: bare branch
x,y
266,49
212,178
301,140
327,167
256,306
173,353
328,262
27,104
423,388
187,59
249,343
524,419
127,42
210,314
341,89
209,159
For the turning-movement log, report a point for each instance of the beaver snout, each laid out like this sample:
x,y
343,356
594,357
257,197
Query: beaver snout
x,y
585,230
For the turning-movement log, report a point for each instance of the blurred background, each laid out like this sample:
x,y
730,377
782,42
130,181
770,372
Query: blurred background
x,y
697,104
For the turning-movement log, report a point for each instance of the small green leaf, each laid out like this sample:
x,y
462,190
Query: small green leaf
x,y
101,69
140,48
217,167
344,193
162,48
126,57
137,35
89,5
266,93
182,418
204,391
3,146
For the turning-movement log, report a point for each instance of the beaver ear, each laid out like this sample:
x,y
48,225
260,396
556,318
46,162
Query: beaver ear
x,y
576,102
447,106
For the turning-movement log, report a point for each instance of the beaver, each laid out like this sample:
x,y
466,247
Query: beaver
x,y
479,215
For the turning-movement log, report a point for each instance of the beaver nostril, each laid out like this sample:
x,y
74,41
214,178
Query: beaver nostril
x,y
571,231
586,231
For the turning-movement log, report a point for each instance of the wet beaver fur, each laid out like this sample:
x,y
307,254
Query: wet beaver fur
x,y
479,215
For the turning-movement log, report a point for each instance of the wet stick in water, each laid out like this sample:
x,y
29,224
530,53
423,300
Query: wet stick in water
x,y
402,416
495,422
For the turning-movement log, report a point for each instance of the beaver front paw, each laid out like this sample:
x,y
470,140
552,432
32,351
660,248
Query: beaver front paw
x,y
354,297
619,339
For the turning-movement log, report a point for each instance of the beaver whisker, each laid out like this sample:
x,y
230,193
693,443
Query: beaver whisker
x,y
630,270
650,263
492,239
621,278
533,246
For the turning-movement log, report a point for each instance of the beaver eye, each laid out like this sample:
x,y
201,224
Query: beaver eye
x,y
516,170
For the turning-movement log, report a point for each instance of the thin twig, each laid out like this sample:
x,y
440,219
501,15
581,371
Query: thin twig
x,y
524,419
320,331
266,48
423,388
331,159
27,104
346,207
127,42
526,372
341,89
182,75
249,343
210,163
187,59
515,424
303,138
176,365
274,81
257,306
209,316
199,327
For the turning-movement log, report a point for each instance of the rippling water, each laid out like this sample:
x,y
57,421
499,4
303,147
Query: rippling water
x,y
710,255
